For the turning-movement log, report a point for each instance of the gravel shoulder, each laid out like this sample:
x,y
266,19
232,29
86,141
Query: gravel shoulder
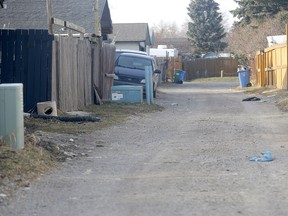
x,y
192,158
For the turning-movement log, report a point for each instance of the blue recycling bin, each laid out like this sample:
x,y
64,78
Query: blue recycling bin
x,y
244,78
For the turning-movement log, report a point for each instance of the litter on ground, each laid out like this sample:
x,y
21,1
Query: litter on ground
x,y
266,157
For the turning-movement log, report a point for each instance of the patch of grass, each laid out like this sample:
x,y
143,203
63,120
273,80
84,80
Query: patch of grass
x,y
109,113
216,79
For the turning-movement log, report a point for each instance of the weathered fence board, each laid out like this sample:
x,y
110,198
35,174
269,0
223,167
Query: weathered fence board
x,y
26,58
108,56
96,67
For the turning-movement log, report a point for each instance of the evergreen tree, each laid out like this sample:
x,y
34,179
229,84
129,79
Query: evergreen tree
x,y
205,30
249,10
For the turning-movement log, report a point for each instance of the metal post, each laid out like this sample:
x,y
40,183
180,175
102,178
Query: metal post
x,y
151,85
147,84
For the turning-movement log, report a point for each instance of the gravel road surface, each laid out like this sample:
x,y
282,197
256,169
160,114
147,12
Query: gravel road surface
x,y
190,159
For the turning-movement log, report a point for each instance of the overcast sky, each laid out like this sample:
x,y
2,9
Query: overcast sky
x,y
155,11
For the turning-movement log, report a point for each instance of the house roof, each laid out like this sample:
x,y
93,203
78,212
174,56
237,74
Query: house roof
x,y
131,32
32,14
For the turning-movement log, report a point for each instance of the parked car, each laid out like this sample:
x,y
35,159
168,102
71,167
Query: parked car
x,y
130,70
121,51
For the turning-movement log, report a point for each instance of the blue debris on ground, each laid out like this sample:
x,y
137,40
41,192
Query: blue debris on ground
x,y
266,157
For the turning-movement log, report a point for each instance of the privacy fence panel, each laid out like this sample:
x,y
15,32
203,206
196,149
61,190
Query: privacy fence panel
x,y
26,57
80,68
72,73
202,68
271,67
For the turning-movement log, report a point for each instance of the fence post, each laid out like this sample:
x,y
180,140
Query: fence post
x,y
287,52
49,16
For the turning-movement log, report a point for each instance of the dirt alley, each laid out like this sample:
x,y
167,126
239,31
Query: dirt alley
x,y
190,159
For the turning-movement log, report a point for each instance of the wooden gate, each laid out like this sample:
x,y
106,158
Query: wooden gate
x,y
271,67
26,57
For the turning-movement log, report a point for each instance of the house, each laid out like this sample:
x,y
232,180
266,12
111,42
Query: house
x,y
133,36
180,43
276,39
33,14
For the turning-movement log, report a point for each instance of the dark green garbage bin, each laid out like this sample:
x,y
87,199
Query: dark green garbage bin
x,y
179,76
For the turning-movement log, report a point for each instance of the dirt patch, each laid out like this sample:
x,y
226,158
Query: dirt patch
x,y
50,142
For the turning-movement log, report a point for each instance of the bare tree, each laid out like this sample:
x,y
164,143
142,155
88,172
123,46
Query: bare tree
x,y
245,41
169,34
165,30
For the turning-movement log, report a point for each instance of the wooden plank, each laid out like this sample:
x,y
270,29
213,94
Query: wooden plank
x,y
88,73
49,16
24,39
39,78
285,78
99,101
73,73
68,25
108,68
31,88
44,74
55,69
48,67
7,74
19,76
96,66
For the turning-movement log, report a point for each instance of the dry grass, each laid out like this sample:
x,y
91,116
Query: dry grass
x,y
280,97
216,79
17,167
109,113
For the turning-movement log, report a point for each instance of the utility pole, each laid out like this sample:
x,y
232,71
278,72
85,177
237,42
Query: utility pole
x,y
49,16
97,21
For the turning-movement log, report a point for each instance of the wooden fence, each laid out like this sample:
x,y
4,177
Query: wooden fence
x,y
202,68
64,69
168,66
25,57
271,67
79,67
